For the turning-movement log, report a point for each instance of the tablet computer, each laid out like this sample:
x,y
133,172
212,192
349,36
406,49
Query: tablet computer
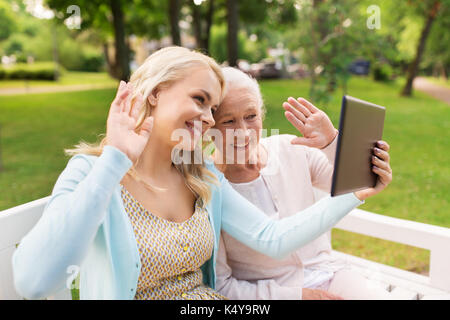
x,y
360,127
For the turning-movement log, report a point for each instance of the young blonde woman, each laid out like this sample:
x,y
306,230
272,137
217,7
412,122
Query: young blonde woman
x,y
281,181
138,223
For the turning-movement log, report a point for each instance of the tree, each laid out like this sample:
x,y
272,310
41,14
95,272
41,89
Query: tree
x,y
431,11
438,45
7,22
202,20
95,14
174,18
122,51
329,36
232,35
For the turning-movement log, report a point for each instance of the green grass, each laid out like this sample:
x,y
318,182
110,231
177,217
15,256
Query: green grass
x,y
67,78
36,128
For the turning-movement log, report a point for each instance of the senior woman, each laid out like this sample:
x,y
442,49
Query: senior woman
x,y
278,175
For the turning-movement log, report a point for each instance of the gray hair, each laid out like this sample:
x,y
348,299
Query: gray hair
x,y
238,79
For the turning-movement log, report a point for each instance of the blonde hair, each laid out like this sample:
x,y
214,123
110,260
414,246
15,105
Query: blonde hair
x,y
159,71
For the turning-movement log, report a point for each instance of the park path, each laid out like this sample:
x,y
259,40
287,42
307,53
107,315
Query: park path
x,y
436,91
439,92
48,89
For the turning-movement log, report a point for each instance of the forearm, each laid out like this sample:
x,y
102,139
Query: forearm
x,y
248,224
69,224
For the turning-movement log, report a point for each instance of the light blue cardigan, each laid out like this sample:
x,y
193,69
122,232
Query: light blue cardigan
x,y
85,225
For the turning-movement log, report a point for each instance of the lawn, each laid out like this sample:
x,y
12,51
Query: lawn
x,y
67,78
36,128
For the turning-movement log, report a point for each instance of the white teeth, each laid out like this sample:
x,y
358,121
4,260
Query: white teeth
x,y
194,128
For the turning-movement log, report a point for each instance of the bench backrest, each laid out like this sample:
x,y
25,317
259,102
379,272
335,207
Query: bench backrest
x,y
15,223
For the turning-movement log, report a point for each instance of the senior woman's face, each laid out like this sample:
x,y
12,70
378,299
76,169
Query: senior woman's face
x,y
239,120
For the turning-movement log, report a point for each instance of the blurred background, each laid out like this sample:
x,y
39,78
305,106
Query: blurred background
x,y
61,62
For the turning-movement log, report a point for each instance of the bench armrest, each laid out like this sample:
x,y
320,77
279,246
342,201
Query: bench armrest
x,y
426,236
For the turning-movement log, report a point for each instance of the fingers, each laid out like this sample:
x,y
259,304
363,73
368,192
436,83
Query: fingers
x,y
383,155
385,177
299,106
147,127
308,105
289,108
136,107
302,141
126,104
297,123
381,164
383,145
122,93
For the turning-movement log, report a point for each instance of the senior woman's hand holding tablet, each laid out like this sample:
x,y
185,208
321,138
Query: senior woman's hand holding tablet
x,y
318,132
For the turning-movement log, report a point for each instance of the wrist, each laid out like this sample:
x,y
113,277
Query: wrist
x,y
331,138
119,149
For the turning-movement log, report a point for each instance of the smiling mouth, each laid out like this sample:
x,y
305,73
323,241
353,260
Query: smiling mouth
x,y
241,146
193,129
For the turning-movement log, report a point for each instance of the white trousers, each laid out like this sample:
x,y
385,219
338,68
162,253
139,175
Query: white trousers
x,y
352,285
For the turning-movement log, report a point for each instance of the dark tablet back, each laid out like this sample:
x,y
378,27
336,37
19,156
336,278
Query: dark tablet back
x,y
360,127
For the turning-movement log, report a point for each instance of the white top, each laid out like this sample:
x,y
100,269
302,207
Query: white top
x,y
285,186
256,192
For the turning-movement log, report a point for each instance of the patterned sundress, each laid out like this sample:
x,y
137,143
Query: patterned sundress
x,y
171,253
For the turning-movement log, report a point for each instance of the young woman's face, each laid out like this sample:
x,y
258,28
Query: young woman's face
x,y
239,120
184,110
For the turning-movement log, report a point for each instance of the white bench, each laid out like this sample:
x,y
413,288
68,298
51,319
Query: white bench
x,y
17,221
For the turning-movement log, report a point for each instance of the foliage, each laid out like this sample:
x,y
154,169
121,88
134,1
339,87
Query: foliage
x,y
252,51
438,46
7,22
39,38
382,72
35,71
330,35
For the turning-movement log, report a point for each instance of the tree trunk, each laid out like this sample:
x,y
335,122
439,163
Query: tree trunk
x,y
110,64
197,23
209,22
202,29
174,17
121,49
414,66
232,35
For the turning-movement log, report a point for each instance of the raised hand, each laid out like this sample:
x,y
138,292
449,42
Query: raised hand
x,y
311,122
381,167
121,130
